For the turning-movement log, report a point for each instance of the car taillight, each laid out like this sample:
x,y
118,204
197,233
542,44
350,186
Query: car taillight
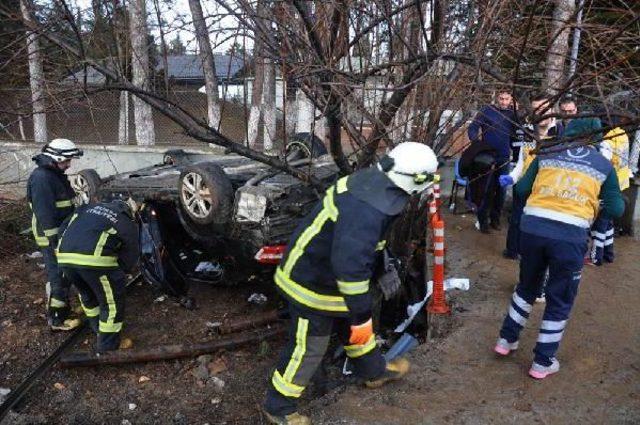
x,y
271,254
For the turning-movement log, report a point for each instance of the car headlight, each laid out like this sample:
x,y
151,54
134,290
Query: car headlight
x,y
251,207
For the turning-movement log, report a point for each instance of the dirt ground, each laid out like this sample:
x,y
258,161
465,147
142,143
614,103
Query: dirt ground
x,y
455,379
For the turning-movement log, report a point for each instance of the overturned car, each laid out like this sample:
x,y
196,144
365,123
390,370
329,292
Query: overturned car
x,y
227,218
209,217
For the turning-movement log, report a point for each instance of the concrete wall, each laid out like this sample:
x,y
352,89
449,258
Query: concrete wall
x,y
16,163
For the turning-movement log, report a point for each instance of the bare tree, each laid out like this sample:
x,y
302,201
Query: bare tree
x,y
557,54
143,113
208,63
36,77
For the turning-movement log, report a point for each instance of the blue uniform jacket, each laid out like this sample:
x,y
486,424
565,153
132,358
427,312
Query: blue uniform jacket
x,y
50,197
332,254
100,236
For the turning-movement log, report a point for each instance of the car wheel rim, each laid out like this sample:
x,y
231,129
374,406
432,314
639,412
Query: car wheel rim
x,y
196,196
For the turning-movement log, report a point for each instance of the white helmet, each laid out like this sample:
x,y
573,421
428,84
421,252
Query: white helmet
x,y
61,150
411,166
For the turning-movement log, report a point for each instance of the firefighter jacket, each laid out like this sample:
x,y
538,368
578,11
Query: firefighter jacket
x,y
50,199
565,188
331,256
616,143
100,236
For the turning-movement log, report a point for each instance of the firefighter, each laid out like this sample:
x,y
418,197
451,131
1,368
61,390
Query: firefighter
x,y
50,198
99,244
326,271
563,187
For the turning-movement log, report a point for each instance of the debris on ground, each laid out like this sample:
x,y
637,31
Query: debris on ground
x,y
59,386
132,406
257,298
4,392
143,379
34,255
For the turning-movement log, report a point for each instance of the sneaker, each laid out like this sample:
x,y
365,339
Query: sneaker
x,y
538,371
484,228
395,370
504,348
510,255
292,419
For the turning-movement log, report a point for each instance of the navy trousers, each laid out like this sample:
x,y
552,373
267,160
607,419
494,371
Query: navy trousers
x,y
513,233
564,260
309,335
493,200
602,232
58,285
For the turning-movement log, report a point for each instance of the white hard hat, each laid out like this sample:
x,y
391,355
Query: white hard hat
x,y
411,166
61,150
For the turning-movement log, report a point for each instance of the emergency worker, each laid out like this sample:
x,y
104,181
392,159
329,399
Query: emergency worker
x,y
615,148
326,272
565,187
99,244
50,198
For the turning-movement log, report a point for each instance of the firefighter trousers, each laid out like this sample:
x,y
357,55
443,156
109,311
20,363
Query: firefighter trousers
x,y
564,259
102,296
309,335
58,290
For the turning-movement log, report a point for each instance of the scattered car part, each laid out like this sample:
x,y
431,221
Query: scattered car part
x,y
250,322
270,254
304,145
167,352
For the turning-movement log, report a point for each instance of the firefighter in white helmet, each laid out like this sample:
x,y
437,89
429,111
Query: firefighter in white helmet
x,y
326,271
50,197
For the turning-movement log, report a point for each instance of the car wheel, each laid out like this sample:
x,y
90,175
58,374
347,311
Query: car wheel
x,y
206,194
86,183
304,145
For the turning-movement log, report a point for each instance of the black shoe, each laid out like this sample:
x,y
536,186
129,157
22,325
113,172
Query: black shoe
x,y
510,255
496,225
484,228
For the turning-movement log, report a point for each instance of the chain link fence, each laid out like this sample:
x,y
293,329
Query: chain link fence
x,y
96,118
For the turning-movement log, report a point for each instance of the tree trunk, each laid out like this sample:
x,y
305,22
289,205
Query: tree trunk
x,y
557,54
208,64
143,113
36,78
269,105
123,121
253,126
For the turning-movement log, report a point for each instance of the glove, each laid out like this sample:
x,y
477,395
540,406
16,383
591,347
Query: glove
x,y
505,180
360,334
53,242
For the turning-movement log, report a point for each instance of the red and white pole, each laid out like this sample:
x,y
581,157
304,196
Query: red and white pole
x,y
438,304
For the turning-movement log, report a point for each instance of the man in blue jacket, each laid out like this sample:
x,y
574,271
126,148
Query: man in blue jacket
x,y
326,272
495,125
50,197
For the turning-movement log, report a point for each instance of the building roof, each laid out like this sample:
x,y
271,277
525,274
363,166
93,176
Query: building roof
x,y
181,68
189,67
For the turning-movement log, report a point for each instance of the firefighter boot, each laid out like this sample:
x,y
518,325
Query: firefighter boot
x,y
291,419
58,319
395,370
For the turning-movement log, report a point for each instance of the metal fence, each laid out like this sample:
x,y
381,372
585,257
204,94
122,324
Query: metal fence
x,y
95,118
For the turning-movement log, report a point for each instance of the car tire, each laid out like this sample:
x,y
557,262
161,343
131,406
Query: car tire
x,y
87,183
304,145
206,194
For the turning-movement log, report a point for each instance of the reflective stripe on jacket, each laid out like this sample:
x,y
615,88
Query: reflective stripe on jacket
x,y
331,255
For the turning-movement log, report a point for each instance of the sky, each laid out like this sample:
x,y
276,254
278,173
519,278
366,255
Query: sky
x,y
177,17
